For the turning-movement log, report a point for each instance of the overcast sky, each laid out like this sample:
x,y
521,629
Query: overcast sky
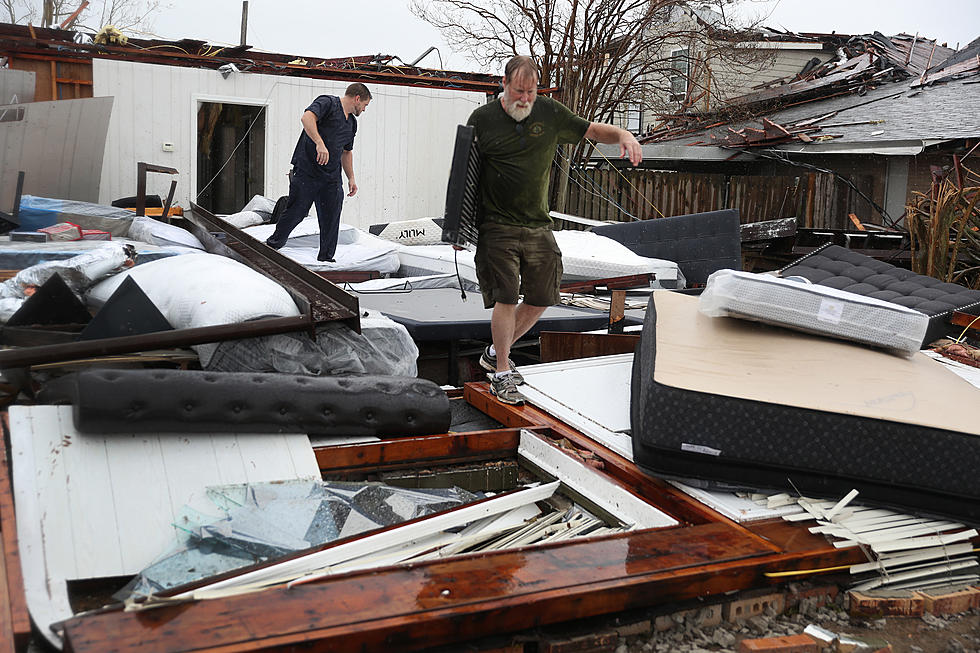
x,y
329,28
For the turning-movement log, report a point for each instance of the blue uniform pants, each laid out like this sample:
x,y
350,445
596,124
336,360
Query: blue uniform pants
x,y
304,192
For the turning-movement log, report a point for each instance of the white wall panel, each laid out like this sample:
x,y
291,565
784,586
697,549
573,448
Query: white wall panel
x,y
58,145
401,155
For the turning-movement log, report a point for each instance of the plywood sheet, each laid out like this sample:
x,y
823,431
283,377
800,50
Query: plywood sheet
x,y
748,360
589,394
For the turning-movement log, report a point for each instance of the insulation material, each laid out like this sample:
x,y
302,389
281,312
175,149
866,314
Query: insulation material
x,y
213,290
816,309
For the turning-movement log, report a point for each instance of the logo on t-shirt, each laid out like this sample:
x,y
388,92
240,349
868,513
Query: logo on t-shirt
x,y
536,129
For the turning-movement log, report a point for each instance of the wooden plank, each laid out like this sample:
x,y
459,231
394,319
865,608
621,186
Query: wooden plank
x,y
960,318
560,346
415,452
14,612
442,602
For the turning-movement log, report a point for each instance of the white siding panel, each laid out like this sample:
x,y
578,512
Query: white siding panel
x,y
59,147
401,155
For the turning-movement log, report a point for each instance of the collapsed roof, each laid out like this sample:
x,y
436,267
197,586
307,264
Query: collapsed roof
x,y
379,68
887,93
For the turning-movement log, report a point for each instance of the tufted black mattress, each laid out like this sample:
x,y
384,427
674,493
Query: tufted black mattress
x,y
184,401
841,268
734,441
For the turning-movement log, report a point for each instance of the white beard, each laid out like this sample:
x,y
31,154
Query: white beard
x,y
516,112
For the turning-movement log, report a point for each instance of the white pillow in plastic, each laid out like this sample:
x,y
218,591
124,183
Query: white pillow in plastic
x,y
813,309
197,290
154,232
260,203
243,219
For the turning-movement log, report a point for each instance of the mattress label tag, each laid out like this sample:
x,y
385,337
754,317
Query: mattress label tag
x,y
831,311
700,448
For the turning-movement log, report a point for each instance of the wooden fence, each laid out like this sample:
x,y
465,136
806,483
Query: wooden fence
x,y
817,200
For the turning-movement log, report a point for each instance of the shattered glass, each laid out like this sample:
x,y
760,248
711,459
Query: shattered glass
x,y
263,521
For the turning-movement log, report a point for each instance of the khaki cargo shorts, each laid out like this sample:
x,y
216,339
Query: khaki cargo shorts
x,y
513,261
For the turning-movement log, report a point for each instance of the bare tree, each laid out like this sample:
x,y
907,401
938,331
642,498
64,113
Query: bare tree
x,y
602,55
126,15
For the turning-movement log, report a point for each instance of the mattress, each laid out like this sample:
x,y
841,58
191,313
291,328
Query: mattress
x,y
746,404
838,267
700,243
585,256
801,305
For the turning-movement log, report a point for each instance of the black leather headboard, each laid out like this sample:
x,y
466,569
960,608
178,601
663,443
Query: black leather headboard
x,y
162,401
699,243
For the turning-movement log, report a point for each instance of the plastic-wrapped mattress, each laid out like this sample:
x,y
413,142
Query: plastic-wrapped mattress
x,y
838,267
746,404
814,309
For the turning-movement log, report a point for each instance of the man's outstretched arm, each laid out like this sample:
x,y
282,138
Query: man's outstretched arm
x,y
610,134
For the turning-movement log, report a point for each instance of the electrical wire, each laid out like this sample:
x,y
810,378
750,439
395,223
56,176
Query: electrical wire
x,y
625,178
966,328
602,194
892,223
459,277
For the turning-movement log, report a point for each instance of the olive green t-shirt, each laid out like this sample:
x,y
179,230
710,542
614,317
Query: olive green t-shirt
x,y
516,159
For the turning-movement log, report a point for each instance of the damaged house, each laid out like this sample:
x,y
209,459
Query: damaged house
x,y
211,445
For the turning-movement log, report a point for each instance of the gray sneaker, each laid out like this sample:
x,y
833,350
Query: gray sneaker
x,y
489,363
505,389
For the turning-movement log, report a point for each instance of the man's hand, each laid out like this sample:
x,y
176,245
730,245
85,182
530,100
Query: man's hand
x,y
611,134
629,146
322,154
353,187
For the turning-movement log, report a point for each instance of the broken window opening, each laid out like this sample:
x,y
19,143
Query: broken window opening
x,y
680,69
230,155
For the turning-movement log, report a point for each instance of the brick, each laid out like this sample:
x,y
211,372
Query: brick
x,y
751,606
592,643
942,601
630,630
825,594
896,603
663,623
788,644
708,617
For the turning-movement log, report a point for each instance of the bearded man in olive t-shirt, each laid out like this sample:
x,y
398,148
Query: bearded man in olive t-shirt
x,y
516,253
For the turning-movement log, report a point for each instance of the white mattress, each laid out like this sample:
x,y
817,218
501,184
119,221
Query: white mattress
x,y
813,309
585,256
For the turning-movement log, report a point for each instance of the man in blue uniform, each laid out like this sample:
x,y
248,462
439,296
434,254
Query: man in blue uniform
x,y
324,148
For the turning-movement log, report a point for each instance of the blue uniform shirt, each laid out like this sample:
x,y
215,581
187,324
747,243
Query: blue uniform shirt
x,y
337,134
